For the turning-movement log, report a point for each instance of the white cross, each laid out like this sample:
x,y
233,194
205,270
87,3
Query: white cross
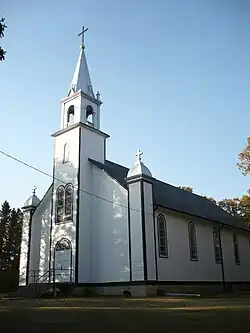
x,y
34,189
138,155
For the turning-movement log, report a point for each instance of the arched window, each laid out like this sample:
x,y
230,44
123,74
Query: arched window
x,y
68,208
217,245
63,244
236,249
192,241
162,236
65,153
70,115
60,204
89,113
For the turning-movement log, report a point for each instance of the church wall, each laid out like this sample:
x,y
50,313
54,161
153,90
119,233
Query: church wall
x,y
104,240
24,248
178,266
35,247
66,173
137,263
149,227
42,215
92,146
39,251
234,272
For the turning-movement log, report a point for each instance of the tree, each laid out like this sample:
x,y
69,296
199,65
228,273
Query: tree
x,y
4,234
237,207
2,28
231,206
244,159
211,199
10,240
245,207
186,188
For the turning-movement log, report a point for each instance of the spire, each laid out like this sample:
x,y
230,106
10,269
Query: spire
x,y
81,78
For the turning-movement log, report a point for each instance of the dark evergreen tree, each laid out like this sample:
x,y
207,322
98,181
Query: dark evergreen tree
x,y
4,235
10,242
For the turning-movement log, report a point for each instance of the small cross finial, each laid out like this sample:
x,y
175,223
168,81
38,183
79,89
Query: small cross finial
x,y
138,155
82,34
34,189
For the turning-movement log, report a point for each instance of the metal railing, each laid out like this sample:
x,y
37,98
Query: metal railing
x,y
48,276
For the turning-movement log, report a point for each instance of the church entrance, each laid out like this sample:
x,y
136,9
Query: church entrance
x,y
62,270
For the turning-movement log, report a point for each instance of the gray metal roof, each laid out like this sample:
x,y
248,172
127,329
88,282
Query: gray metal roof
x,y
176,199
33,201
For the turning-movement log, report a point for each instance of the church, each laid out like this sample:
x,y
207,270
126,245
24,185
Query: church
x,y
119,230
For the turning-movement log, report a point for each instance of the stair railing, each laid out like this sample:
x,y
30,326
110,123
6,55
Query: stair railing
x,y
42,278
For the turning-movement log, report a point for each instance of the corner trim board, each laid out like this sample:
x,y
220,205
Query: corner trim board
x,y
144,245
51,217
156,252
77,210
129,240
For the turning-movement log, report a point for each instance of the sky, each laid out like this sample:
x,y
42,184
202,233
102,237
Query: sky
x,y
174,76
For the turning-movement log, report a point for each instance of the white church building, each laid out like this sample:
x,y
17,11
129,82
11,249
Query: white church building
x,y
118,230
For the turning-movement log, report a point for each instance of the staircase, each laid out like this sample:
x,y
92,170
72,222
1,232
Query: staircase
x,y
33,290
40,286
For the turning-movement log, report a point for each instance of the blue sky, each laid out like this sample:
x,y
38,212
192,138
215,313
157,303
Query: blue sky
x,y
174,76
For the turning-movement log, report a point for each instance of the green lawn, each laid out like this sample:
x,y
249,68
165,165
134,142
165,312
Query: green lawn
x,y
127,315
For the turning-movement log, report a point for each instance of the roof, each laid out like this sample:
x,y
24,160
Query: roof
x,y
176,199
33,201
81,78
139,169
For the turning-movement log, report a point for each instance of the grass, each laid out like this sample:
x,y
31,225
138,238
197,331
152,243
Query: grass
x,y
126,315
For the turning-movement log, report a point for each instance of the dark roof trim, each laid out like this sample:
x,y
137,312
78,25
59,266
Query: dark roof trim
x,y
44,196
99,165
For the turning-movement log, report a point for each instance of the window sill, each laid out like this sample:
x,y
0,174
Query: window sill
x,y
65,221
163,257
237,263
193,259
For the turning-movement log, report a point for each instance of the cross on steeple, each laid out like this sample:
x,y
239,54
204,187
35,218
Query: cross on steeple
x,y
82,34
138,155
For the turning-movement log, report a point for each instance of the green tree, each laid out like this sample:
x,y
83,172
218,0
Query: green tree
x,y
245,207
2,28
186,188
244,159
231,206
4,234
237,207
10,241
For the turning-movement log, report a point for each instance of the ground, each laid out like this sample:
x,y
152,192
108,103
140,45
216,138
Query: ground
x,y
228,314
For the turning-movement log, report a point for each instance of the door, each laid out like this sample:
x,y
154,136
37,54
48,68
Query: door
x,y
62,269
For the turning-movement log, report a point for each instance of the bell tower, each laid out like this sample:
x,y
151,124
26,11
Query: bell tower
x,y
81,104
78,140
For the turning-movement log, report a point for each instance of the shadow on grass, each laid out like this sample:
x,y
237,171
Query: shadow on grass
x,y
116,315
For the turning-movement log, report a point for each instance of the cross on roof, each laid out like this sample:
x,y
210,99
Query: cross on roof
x,y
34,189
82,34
138,155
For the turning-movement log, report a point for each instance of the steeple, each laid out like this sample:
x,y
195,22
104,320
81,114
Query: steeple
x,y
81,78
81,104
